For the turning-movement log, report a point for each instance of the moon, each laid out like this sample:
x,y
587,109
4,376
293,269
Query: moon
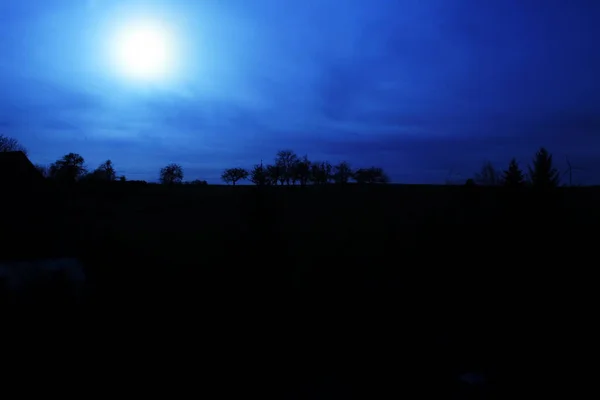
x,y
144,51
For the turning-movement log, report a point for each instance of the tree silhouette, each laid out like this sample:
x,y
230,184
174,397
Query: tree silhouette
x,y
11,144
233,175
488,176
105,172
513,176
286,160
302,173
70,168
361,175
371,175
171,174
342,173
320,172
378,175
275,174
542,174
258,175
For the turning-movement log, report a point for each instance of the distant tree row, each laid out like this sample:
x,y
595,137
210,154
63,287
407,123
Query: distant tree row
x,y
289,169
71,168
542,173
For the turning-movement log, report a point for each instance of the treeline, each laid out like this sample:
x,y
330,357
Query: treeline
x,y
288,168
541,173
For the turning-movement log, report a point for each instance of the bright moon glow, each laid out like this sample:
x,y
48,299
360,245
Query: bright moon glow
x,y
144,51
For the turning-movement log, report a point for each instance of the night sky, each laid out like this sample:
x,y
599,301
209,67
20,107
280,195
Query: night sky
x,y
426,89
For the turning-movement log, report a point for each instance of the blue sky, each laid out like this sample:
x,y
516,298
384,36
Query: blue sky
x,y
427,89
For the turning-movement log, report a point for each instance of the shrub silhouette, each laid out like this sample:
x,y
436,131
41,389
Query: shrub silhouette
x,y
370,175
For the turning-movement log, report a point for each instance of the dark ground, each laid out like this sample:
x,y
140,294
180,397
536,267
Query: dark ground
x,y
363,292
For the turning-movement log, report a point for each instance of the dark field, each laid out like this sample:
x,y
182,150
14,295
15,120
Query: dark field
x,y
362,289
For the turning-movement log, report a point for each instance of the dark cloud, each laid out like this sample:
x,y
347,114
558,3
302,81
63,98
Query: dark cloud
x,y
60,125
27,99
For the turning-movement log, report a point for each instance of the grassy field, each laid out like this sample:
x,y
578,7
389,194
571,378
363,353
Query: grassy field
x,y
291,224
442,278
304,238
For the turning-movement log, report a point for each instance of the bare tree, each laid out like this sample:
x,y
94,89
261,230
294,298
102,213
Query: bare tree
x,y
488,176
11,144
171,174
70,168
106,171
342,173
233,175
287,160
371,175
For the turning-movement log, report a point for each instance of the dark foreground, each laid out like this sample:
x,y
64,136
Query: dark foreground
x,y
355,292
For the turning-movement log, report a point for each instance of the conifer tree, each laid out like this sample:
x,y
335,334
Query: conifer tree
x,y
513,176
542,174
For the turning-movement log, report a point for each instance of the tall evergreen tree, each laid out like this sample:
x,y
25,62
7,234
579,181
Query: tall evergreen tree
x,y
542,173
513,176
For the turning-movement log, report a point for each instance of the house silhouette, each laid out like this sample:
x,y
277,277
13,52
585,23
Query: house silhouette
x,y
17,170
